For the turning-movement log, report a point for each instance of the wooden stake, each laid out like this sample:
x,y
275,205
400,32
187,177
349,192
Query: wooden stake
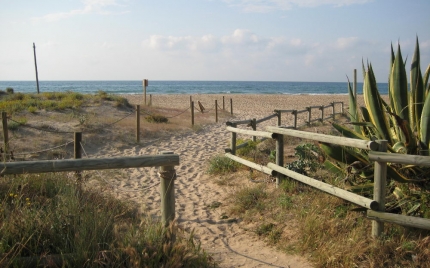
x,y
78,154
192,113
5,136
137,123
216,111
279,156
35,66
231,106
380,181
167,191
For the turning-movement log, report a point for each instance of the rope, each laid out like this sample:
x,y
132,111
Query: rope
x,y
146,113
41,151
40,129
111,124
110,184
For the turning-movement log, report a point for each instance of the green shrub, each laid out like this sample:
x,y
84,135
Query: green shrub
x,y
44,215
9,90
250,198
156,119
222,165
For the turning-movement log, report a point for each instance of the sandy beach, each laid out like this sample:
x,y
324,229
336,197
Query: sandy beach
x,y
195,190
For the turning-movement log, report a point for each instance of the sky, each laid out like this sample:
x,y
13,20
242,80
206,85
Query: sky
x,y
236,40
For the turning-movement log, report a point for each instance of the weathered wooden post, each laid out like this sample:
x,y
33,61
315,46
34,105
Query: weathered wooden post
x,y
379,188
223,103
191,100
322,113
192,113
231,106
278,113
334,114
279,156
309,115
295,119
216,111
233,140
35,67
137,123
254,127
341,108
167,192
145,84
77,155
150,100
5,136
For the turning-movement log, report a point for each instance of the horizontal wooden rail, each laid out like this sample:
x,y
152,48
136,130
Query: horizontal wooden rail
x,y
266,118
417,160
251,132
315,107
330,189
284,111
250,164
242,122
362,144
399,219
89,164
302,111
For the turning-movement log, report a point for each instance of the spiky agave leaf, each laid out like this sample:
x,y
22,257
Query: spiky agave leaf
x,y
353,112
426,79
374,105
417,90
399,87
349,133
425,127
343,154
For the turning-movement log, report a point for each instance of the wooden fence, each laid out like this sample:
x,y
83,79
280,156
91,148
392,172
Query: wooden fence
x,y
378,152
166,161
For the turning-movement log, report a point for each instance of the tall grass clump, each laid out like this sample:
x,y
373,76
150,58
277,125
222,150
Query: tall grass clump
x,y
221,165
46,220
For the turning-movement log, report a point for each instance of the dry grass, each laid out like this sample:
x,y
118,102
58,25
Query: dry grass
x,y
329,231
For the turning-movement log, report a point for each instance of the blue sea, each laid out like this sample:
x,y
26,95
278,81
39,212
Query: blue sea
x,y
188,87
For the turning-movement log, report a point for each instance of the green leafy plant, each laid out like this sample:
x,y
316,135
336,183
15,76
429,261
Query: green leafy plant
x,y
156,119
307,161
221,165
404,123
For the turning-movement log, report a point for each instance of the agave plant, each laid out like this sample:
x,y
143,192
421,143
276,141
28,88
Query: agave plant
x,y
404,123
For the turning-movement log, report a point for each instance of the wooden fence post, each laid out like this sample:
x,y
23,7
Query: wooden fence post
x,y
137,123
191,100
78,154
5,136
322,113
279,117
380,181
150,100
334,114
144,84
295,119
254,127
341,108
167,192
279,156
233,140
216,111
223,103
231,106
192,113
309,115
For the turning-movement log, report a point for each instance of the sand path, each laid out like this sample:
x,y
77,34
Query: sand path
x,y
229,244
194,191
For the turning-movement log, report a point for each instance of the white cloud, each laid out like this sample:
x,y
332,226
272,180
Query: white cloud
x,y
90,7
264,6
346,42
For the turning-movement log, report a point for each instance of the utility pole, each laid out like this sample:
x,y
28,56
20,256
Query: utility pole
x,y
35,65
